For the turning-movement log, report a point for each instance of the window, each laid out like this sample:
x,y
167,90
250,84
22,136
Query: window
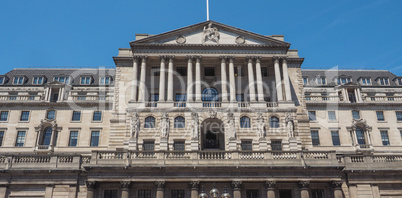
x,y
148,146
343,80
264,71
62,79
331,115
384,138
335,138
104,80
24,116
321,81
149,122
285,193
210,94
274,122
182,71
97,116
252,193
276,145
2,80
73,138
383,81
365,81
179,122
46,136
380,116
305,80
209,71
361,140
356,114
18,80
315,138
246,145
311,116
245,122
4,116
240,97
1,137
317,193
144,193
110,194
177,193
86,80
238,71
155,71
95,138
37,80
51,114
154,97
181,97
76,116
179,146
399,81
20,139
398,115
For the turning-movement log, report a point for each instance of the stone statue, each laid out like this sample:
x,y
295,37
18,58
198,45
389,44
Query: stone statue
x,y
260,125
231,126
165,125
212,113
289,125
195,125
135,125
210,34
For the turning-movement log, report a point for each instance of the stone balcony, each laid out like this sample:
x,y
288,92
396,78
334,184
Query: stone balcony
x,y
219,105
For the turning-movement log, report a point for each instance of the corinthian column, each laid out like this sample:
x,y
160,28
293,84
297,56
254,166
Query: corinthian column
x,y
194,188
224,80
236,189
251,80
304,189
232,80
286,80
160,187
125,189
142,90
278,80
190,79
90,188
259,80
198,79
162,80
135,75
271,185
170,80
337,186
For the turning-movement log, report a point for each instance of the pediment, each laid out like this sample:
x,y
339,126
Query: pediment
x,y
210,33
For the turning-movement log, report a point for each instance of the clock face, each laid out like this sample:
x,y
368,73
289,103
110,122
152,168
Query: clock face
x,y
240,40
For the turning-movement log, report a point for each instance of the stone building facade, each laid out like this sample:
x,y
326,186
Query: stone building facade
x,y
208,106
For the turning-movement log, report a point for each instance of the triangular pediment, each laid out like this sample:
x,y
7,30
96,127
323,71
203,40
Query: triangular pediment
x,y
210,33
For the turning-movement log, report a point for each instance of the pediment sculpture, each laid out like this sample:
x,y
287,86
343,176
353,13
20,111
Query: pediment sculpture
x,y
210,34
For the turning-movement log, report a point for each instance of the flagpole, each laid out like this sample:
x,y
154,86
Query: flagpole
x,y
207,10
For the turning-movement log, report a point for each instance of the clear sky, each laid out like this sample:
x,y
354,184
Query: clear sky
x,y
358,34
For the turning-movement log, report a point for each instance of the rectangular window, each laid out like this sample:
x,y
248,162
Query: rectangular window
x,y
178,193
252,193
380,116
384,138
321,81
1,137
97,116
315,138
2,80
155,71
73,138
62,79
264,71
276,145
209,71
356,114
399,80
398,115
240,98
37,80
365,81
238,71
85,80
246,146
20,139
18,80
24,116
95,138
317,193
311,116
148,146
331,115
4,116
110,194
154,97
182,71
343,80
305,80
285,193
104,80
179,146
335,138
76,116
181,97
383,81
144,193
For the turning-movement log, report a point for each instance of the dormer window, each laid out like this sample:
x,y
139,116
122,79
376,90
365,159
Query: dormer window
x,y
104,80
365,81
383,81
2,80
62,79
86,80
18,80
321,81
398,80
343,80
37,81
305,80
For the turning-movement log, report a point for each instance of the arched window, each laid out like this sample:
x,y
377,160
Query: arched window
x,y
360,136
47,136
210,94
50,114
245,122
149,122
274,122
179,122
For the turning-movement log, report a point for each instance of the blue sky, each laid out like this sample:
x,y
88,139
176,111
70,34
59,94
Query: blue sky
x,y
358,34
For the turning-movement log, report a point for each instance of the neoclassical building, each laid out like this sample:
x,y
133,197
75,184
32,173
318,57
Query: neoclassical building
x,y
208,107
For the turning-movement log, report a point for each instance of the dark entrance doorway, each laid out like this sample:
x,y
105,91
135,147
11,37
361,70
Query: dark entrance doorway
x,y
213,135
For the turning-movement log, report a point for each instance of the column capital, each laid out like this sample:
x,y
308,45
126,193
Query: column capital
x,y
160,185
223,59
90,184
236,184
279,57
270,185
125,184
303,184
170,57
336,184
198,57
163,57
194,184
190,57
136,57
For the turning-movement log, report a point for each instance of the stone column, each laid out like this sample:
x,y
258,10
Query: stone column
x,y
198,79
160,187
337,186
190,79
135,75
194,188
162,82
286,80
278,80
90,188
232,80
170,80
251,83
271,185
352,191
125,189
224,80
72,191
236,189
3,190
49,191
142,91
304,189
260,88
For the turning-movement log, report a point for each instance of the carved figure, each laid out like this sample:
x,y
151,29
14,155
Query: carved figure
x,y
212,113
135,125
260,125
210,34
231,123
195,125
289,125
165,126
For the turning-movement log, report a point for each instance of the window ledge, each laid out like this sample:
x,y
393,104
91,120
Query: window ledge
x,y
381,121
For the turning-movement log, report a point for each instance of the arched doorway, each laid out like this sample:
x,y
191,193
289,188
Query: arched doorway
x,y
212,135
